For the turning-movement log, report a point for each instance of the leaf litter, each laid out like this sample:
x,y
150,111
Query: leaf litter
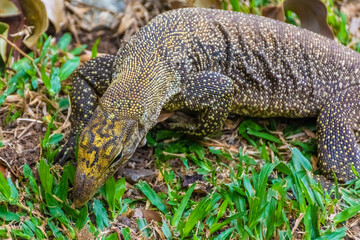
x,y
21,137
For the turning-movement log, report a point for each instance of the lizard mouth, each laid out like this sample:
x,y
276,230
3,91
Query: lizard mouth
x,y
81,189
85,188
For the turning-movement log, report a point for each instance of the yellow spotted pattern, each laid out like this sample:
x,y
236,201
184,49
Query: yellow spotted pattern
x,y
213,62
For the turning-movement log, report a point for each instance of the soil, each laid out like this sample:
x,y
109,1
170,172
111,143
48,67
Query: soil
x,y
21,144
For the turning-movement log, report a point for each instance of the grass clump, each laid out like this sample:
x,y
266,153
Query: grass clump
x,y
257,185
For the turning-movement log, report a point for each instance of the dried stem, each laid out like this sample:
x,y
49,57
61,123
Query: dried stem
x,y
17,48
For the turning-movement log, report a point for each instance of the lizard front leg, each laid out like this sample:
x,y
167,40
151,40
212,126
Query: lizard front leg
x,y
337,124
89,82
210,94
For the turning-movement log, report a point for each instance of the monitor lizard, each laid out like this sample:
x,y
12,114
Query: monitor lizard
x,y
213,62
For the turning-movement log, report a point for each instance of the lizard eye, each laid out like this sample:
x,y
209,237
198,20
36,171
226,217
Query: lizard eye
x,y
116,159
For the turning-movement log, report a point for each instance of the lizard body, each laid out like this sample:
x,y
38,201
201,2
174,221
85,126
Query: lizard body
x,y
213,62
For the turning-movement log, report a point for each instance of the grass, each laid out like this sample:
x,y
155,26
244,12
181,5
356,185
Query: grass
x,y
262,191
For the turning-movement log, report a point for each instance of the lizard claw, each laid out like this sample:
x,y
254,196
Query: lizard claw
x,y
66,152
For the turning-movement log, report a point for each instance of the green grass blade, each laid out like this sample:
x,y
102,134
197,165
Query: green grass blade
x,y
218,226
8,216
102,219
109,188
112,236
176,218
20,234
62,188
4,187
347,213
336,235
142,225
120,188
248,187
68,68
152,196
29,175
225,234
64,41
264,135
196,215
57,233
83,218
126,233
166,230
311,222
94,48
222,210
299,158
14,196
46,178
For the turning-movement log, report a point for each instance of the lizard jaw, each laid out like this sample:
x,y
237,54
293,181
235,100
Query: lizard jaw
x,y
86,187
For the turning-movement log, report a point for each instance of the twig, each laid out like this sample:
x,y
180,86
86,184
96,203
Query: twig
x,y
174,154
29,120
17,48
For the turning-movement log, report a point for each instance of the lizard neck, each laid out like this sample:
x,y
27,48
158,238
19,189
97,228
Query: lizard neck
x,y
139,84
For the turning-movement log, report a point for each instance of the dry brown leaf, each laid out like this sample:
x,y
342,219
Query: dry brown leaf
x,y
274,12
151,215
312,15
87,55
132,16
164,115
56,12
36,16
4,29
201,187
8,9
6,172
207,4
174,4
354,26
310,133
232,124
351,9
85,234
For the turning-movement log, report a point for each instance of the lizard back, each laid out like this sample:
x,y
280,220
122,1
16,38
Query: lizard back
x,y
278,69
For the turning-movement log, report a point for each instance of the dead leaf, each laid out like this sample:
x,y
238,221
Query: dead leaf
x,y
130,18
16,23
8,9
85,234
309,133
232,124
4,29
174,4
207,4
355,27
164,115
36,16
6,170
312,15
149,215
201,187
56,12
274,12
351,9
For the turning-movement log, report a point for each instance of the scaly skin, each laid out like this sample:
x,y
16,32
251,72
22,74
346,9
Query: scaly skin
x,y
213,62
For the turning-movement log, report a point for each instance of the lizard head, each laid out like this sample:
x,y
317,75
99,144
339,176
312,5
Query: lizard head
x,y
107,142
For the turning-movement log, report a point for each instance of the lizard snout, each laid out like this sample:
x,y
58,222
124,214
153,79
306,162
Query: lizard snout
x,y
83,189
